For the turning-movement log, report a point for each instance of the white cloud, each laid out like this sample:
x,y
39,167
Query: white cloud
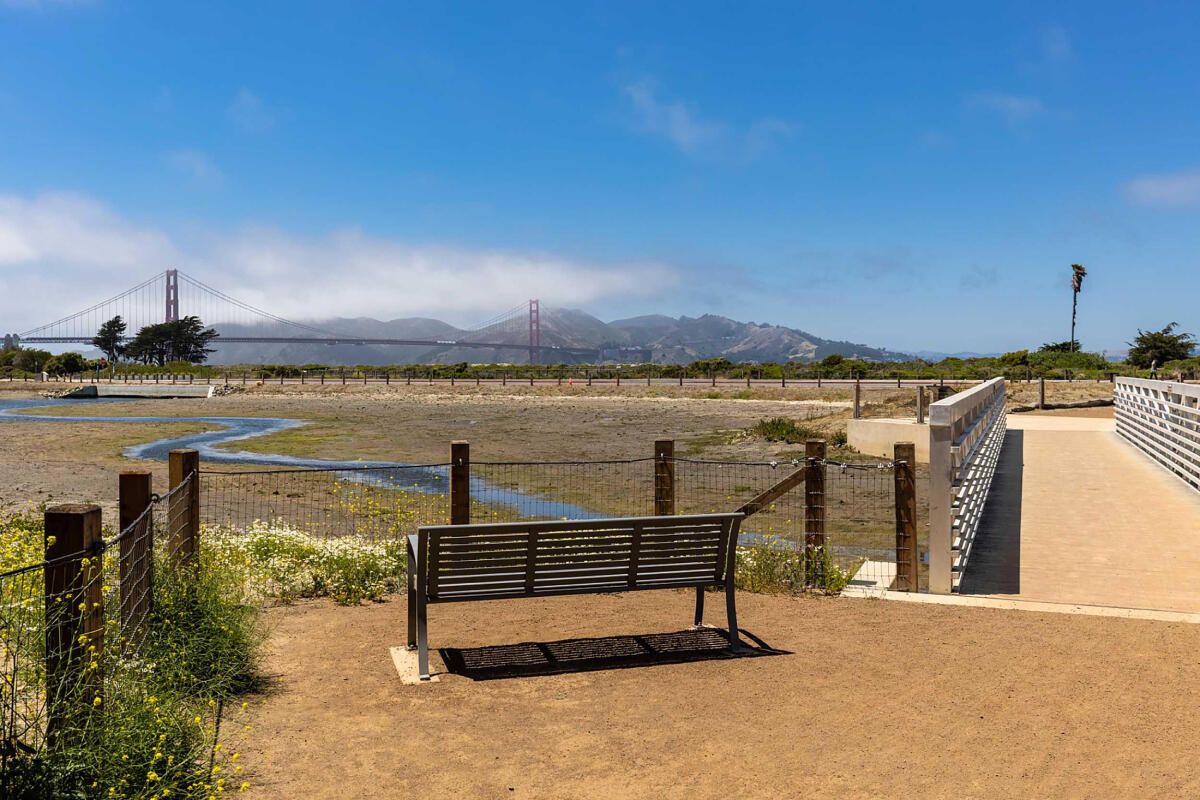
x,y
1013,108
197,167
673,120
1165,189
76,233
350,272
60,253
250,113
681,124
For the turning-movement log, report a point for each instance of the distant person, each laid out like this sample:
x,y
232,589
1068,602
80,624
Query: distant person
x,y
1154,369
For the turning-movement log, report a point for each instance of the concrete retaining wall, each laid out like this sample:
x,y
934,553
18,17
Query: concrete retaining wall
x,y
878,437
160,391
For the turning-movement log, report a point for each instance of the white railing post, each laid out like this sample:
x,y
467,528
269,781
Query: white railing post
x,y
966,433
941,521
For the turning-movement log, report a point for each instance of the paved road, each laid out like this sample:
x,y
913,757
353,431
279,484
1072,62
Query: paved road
x,y
1078,515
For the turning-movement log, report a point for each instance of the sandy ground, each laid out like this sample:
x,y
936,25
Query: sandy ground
x,y
871,699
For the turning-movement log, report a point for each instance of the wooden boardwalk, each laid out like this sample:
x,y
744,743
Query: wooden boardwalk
x,y
1078,515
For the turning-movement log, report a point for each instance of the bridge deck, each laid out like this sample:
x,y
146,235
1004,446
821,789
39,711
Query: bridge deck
x,y
1077,515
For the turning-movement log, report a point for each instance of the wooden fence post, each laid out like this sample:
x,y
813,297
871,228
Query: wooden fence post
x,y
907,556
460,483
920,405
857,399
664,477
814,512
136,560
74,598
184,509
1041,393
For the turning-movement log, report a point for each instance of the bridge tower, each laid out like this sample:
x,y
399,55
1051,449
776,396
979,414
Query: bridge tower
x,y
535,332
172,295
11,341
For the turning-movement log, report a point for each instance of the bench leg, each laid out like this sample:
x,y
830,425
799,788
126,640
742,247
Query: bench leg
x,y
422,639
699,606
412,599
731,612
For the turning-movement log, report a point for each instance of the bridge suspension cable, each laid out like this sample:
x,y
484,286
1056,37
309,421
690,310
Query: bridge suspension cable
x,y
172,294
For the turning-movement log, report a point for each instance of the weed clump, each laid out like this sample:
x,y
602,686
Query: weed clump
x,y
782,429
775,566
282,563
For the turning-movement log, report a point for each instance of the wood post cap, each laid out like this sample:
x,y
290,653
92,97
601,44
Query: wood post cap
x,y
73,508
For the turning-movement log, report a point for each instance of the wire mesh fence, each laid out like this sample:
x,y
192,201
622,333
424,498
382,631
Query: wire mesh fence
x,y
375,503
87,650
856,506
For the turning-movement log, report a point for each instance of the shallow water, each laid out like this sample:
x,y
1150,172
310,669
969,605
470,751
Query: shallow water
x,y
428,479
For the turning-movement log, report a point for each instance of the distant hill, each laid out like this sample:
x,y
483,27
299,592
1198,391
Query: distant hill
x,y
667,340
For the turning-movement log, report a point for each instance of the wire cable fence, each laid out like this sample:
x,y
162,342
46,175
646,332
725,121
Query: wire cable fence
x,y
852,513
94,639
375,503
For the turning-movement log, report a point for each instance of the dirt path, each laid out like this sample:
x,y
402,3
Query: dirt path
x,y
875,699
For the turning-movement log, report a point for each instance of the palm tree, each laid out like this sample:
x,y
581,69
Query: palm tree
x,y
1077,273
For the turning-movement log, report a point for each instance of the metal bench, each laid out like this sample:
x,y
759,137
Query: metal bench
x,y
457,563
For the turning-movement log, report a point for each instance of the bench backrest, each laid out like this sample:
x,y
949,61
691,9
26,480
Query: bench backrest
x,y
518,559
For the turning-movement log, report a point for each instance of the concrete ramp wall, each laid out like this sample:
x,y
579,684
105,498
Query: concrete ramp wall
x,y
159,391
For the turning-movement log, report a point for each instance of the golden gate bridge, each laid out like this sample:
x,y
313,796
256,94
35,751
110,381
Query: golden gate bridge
x,y
172,294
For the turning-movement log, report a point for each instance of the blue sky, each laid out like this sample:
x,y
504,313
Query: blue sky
x,y
904,175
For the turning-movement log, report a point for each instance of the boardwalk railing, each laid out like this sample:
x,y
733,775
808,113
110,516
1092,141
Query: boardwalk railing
x,y
1163,420
966,432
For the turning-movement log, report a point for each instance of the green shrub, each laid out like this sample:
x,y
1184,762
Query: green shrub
x,y
782,429
775,566
150,730
205,637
